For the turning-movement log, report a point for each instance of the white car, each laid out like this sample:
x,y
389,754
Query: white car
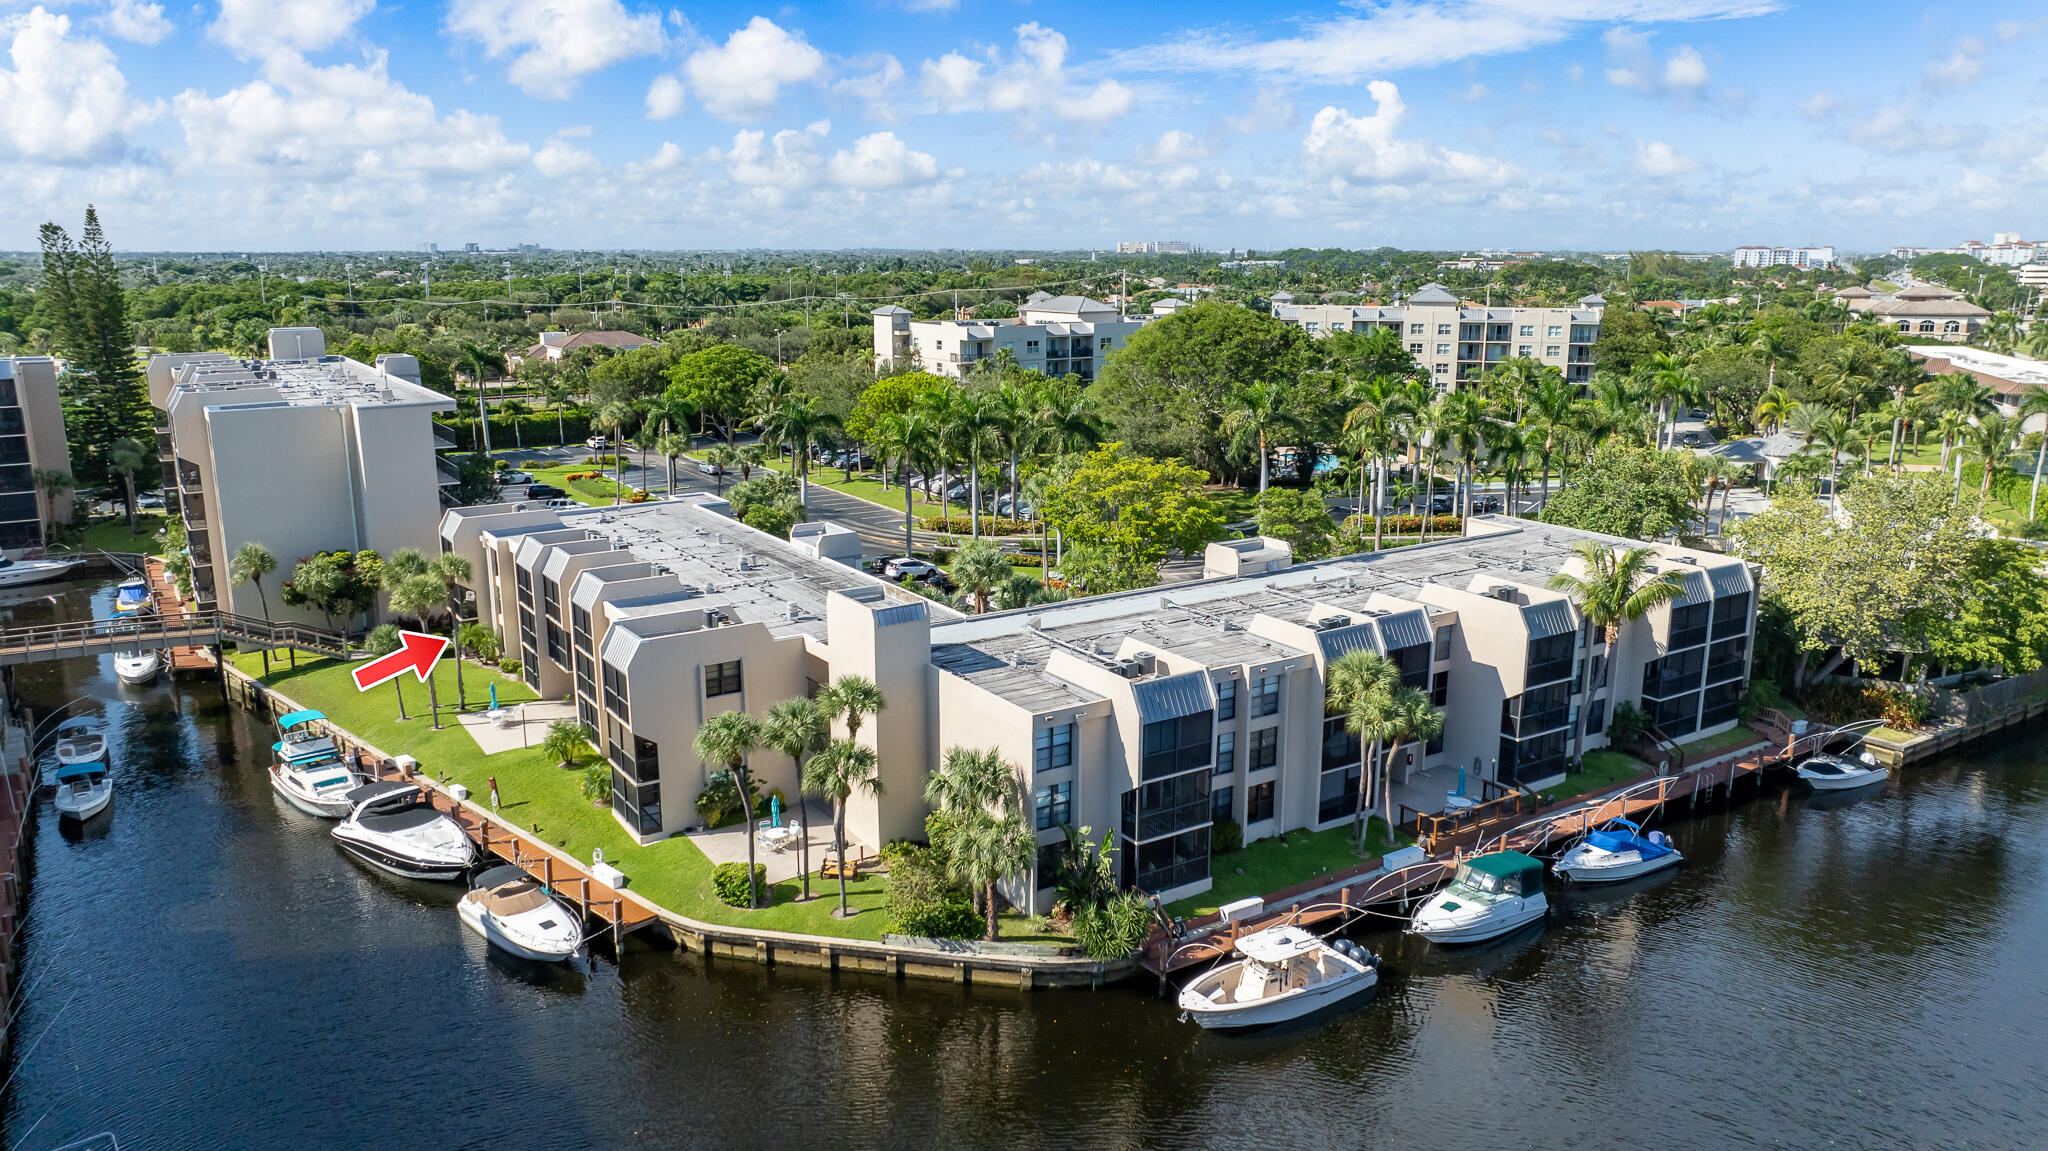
x,y
901,566
597,443
515,477
709,468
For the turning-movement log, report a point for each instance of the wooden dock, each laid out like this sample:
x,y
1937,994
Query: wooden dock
x,y
163,593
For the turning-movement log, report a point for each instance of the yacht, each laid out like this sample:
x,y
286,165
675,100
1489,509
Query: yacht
x,y
132,597
136,667
1834,773
299,742
1490,896
1286,973
1617,852
394,827
513,911
79,741
83,790
316,787
15,573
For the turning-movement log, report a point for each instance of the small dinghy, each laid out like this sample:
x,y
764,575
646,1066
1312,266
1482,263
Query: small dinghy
x,y
1490,896
514,912
1617,852
1834,773
136,667
1286,973
83,790
392,826
79,741
132,597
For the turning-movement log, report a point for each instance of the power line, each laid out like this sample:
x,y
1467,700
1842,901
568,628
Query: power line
x,y
619,303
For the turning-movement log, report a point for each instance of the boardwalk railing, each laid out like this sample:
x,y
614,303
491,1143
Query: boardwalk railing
x,y
19,645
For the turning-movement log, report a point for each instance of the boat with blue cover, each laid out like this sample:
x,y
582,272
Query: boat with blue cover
x,y
309,772
83,790
132,597
1617,852
1490,896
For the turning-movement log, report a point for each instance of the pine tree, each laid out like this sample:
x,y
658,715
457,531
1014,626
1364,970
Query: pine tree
x,y
105,396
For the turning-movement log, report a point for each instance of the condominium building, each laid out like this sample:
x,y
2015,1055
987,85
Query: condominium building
x,y
1457,343
31,440
1057,335
1765,256
302,452
1150,716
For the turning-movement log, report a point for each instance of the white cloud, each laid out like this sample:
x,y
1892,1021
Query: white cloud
x,y
1631,65
1819,106
135,20
1658,160
555,43
787,162
1472,95
559,157
670,157
266,28
1685,71
874,90
1173,146
1400,34
743,78
1365,150
880,161
1960,68
1270,109
664,97
1034,78
65,99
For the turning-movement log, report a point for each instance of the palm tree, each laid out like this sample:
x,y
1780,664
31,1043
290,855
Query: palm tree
x,y
1553,411
1462,428
800,422
1359,685
1409,717
252,561
1840,437
1256,411
567,742
1378,407
850,699
2034,402
383,640
453,571
980,568
1950,426
1772,408
52,483
1901,412
512,409
421,596
987,849
670,446
971,789
1670,383
1991,438
728,739
1719,473
126,458
835,774
615,415
976,426
1618,586
1775,346
723,457
796,728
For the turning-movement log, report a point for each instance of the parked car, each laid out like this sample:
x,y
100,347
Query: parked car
x,y
1485,505
515,477
598,443
709,468
936,579
1023,511
1442,505
560,502
1690,439
901,566
544,492
150,500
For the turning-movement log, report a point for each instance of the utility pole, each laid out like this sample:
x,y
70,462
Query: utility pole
x,y
427,280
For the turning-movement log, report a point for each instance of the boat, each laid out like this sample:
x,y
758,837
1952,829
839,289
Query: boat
x,y
1617,852
514,912
132,597
1286,973
136,667
393,827
83,790
1834,773
79,741
298,741
317,788
16,573
1490,896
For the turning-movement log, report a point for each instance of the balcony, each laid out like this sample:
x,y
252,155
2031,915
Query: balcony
x,y
194,510
188,478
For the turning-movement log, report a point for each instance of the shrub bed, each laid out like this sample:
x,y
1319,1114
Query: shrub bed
x,y
990,525
729,883
1403,525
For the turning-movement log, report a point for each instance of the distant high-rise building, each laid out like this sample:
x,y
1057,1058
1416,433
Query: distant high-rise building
x,y
1765,256
471,248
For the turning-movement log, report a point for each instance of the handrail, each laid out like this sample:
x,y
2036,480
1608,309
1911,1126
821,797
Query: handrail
x,y
202,627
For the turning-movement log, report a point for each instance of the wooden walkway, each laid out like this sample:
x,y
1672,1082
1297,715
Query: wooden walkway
x,y
163,593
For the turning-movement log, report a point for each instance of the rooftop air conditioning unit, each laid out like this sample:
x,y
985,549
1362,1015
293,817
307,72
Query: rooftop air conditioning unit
x,y
1693,560
1505,592
1129,668
1147,660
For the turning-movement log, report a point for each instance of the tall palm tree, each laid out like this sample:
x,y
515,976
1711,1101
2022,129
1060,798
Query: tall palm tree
x,y
723,457
988,849
728,739
1463,428
1775,346
1379,404
2034,402
835,773
1901,412
1256,411
1669,383
1619,585
1991,439
796,728
454,572
1553,412
52,483
975,425
420,596
1408,717
980,568
615,415
850,700
252,561
800,422
977,793
127,458
1360,685
1839,437
1772,407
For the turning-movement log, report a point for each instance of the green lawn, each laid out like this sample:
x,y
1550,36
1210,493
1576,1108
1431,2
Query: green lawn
x,y
1280,862
111,535
591,491
1708,746
1603,769
871,490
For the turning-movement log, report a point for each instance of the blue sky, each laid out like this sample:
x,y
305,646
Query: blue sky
x,y
265,124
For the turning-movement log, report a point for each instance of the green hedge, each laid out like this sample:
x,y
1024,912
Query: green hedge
x,y
729,883
990,525
536,429
1405,525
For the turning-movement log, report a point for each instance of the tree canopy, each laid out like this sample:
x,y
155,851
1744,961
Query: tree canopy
x,y
1627,490
1167,387
1120,513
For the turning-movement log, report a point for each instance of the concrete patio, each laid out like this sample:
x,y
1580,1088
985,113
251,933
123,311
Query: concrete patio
x,y
519,725
729,844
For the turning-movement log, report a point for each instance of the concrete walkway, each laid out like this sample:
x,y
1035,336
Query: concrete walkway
x,y
521,725
729,844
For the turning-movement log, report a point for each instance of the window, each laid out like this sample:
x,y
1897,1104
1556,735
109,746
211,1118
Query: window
x,y
1226,753
1051,858
1689,625
1441,369
1443,349
1731,615
615,693
646,759
1053,747
1925,325
1554,331
1415,349
548,602
1440,688
1596,716
1443,329
1266,696
1550,659
1052,806
1338,793
1675,673
1265,749
558,644
1443,643
1171,746
1309,326
1340,746
1719,703
1166,806
1258,803
1415,329
1675,717
1551,350
1524,349
1527,330
721,678
1536,710
1226,700
1220,804
1169,863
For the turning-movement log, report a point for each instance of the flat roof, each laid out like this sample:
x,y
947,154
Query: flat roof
x,y
323,381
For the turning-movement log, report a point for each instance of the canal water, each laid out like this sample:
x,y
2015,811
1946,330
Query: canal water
x,y
202,969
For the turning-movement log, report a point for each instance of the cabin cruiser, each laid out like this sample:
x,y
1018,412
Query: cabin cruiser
x,y
79,741
1286,973
298,741
394,827
15,573
1617,852
136,667
1834,773
513,911
316,787
1490,896
83,790
132,597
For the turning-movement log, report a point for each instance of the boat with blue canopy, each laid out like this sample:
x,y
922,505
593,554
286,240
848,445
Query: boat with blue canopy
x,y
132,597
83,790
310,773
299,741
1615,852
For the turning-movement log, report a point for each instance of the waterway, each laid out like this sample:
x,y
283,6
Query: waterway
x,y
202,969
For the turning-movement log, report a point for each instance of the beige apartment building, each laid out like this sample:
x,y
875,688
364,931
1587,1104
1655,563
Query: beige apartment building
x,y
31,440
1457,343
1057,335
302,452
1148,716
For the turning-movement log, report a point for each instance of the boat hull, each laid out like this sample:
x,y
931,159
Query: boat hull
x,y
1587,872
1280,1010
396,863
72,806
336,808
136,671
33,571
1821,782
1491,926
485,924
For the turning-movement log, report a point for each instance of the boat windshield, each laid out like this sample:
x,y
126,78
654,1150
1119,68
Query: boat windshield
x,y
1478,884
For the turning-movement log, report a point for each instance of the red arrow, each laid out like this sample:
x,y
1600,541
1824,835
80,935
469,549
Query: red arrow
x,y
418,656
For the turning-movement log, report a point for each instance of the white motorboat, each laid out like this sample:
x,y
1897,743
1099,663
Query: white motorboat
x,y
300,742
392,826
79,741
132,597
1834,773
1617,852
16,573
1490,896
83,790
136,667
320,789
513,911
1286,973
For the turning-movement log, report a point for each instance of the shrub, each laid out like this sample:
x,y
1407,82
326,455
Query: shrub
x,y
942,556
1402,525
922,899
1115,928
1227,836
597,784
990,525
511,666
719,803
1839,701
729,882
1027,559
1903,709
1762,693
1628,722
